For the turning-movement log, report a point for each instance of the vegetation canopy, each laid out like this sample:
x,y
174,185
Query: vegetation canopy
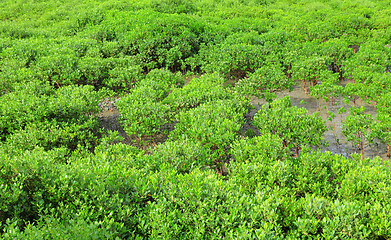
x,y
195,119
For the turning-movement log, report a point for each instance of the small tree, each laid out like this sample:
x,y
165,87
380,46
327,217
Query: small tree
x,y
294,125
307,69
327,90
264,82
357,127
383,126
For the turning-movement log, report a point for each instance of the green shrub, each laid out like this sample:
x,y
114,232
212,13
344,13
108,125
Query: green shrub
x,y
176,6
338,219
51,135
263,82
50,227
183,155
59,67
161,80
294,125
378,219
124,75
232,60
264,174
199,90
382,128
321,174
80,46
157,40
142,117
11,78
347,220
142,111
85,19
36,187
37,115
198,205
357,127
315,197
22,106
214,124
94,70
264,148
24,53
23,196
366,182
73,103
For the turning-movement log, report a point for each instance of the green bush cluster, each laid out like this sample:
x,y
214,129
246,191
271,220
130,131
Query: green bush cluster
x,y
314,200
199,90
67,61
38,115
264,82
119,192
182,155
267,147
142,110
60,178
214,124
70,193
295,126
84,45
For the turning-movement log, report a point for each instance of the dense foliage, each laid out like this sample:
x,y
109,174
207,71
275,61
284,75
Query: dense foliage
x,y
187,71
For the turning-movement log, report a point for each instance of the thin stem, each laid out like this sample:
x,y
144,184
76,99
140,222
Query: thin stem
x,y
305,87
327,107
361,146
